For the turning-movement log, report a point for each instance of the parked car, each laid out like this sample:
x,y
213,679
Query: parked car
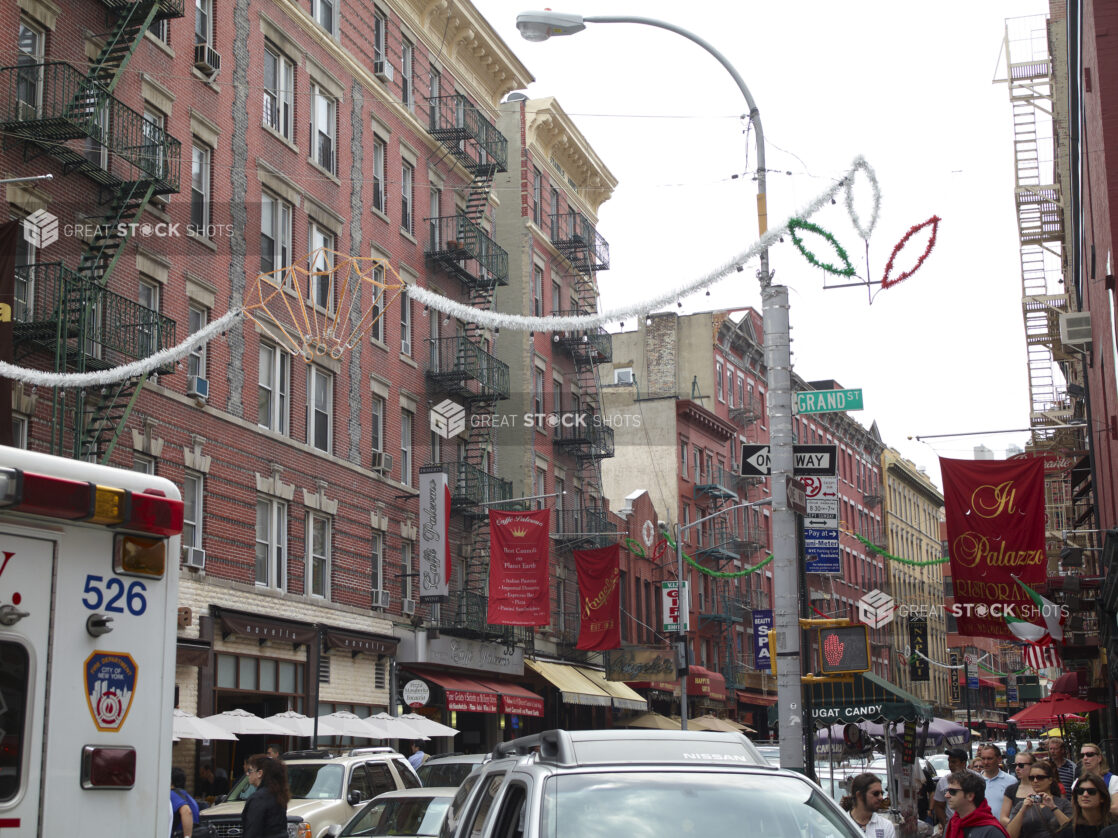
x,y
413,813
771,753
325,789
449,770
610,783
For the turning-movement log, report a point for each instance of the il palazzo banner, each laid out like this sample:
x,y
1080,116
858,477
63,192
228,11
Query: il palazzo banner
x,y
599,598
519,593
995,532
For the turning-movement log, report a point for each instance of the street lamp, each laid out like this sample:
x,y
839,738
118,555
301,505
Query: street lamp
x,y
541,25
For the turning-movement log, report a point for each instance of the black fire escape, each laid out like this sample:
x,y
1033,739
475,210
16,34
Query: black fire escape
x,y
54,109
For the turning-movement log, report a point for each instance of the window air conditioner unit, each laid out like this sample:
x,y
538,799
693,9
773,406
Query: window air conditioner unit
x,y
624,376
382,462
194,557
381,599
206,58
383,70
408,606
198,386
1075,327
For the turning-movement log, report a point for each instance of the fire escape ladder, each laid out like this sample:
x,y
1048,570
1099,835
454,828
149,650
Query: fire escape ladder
x,y
477,198
100,254
105,418
133,20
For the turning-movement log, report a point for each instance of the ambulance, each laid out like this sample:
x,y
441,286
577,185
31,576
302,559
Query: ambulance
x,y
88,582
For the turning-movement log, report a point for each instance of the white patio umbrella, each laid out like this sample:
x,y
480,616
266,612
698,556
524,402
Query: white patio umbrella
x,y
188,726
294,722
242,721
344,723
427,727
397,728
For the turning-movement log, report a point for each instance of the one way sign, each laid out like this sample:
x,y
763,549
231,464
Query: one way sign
x,y
817,460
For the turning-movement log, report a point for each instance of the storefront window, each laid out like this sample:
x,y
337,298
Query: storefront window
x,y
265,675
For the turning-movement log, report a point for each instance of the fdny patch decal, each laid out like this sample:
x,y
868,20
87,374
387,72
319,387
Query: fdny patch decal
x,y
110,683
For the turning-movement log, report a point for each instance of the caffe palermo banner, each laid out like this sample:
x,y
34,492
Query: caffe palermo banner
x,y
995,535
434,546
519,593
599,598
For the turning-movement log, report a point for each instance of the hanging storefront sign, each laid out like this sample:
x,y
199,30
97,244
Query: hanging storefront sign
x,y
918,668
519,591
675,605
953,657
416,693
762,625
639,664
434,546
599,598
995,537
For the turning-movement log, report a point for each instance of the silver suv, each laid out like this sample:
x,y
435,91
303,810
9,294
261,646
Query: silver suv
x,y
650,783
325,790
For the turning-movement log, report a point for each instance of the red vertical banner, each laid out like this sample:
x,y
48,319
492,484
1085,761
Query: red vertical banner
x,y
519,590
995,532
599,597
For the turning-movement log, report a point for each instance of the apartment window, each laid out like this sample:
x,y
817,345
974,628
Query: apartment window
x,y
405,325
380,148
376,426
192,510
29,82
698,470
730,387
683,458
556,396
376,561
540,488
556,298
407,427
554,213
434,208
318,555
160,30
320,407
324,110
203,21
406,578
718,382
19,431
537,290
407,58
324,12
273,389
271,543
537,392
275,233
279,91
197,318
147,336
143,464
537,197
380,35
200,190
376,328
321,263
407,187
153,138
27,256
434,86
741,391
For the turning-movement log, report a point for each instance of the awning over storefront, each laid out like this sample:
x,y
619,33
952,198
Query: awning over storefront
x,y
703,683
982,682
264,629
868,698
623,697
357,642
746,697
515,699
574,687
462,694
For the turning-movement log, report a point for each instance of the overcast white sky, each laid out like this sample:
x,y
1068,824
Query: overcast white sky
x,y
910,88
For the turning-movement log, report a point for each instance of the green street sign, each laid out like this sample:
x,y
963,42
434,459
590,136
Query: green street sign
x,y
828,401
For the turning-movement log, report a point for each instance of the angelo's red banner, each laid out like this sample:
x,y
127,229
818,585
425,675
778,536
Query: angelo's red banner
x,y
995,532
518,582
599,598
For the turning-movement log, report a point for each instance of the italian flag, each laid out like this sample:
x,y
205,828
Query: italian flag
x,y
1052,613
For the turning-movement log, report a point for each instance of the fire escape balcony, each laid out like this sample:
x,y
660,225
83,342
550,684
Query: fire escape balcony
x,y
746,413
718,542
583,433
464,250
54,306
717,484
461,367
595,344
585,527
466,613
50,105
471,487
467,133
575,238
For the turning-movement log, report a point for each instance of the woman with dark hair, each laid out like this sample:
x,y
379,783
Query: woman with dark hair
x,y
1090,806
865,798
1022,765
1044,813
265,812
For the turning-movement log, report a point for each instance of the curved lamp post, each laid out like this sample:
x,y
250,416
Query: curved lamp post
x,y
541,25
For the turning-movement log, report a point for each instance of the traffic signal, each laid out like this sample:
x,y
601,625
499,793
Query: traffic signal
x,y
844,649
